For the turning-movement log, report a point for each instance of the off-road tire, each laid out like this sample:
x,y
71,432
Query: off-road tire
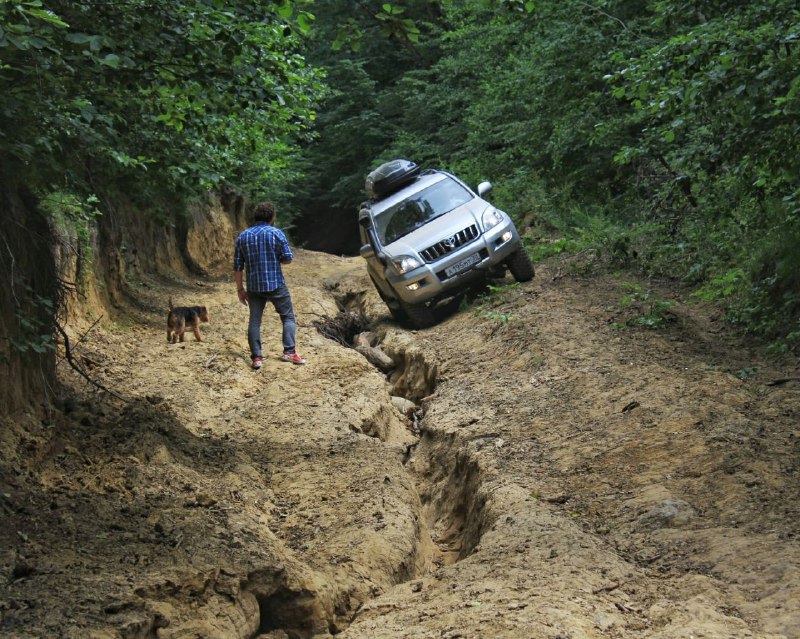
x,y
392,304
420,315
520,266
397,313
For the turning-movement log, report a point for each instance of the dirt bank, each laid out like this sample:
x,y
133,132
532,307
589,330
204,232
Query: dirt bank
x,y
570,476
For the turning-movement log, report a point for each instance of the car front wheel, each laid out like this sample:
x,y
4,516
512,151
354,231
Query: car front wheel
x,y
392,304
520,266
420,315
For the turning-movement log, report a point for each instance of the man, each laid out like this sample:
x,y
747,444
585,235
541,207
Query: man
x,y
261,249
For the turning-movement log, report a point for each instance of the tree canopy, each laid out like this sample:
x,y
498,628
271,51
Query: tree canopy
x,y
670,126
176,95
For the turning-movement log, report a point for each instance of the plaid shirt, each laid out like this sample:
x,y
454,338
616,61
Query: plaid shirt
x,y
260,248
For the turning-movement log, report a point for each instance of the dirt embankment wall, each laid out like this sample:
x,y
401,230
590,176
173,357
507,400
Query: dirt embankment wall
x,y
28,294
132,243
49,276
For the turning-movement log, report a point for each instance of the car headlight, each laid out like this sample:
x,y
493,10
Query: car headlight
x,y
491,218
405,263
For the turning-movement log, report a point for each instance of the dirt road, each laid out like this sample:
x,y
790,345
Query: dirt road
x,y
561,473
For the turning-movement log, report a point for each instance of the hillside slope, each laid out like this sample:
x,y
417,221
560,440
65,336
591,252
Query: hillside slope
x,y
557,476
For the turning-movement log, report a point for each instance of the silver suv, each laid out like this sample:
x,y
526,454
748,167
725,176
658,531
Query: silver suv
x,y
431,237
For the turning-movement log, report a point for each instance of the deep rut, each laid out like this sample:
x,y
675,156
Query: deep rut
x,y
485,477
446,475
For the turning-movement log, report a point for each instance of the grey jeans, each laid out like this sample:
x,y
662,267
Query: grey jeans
x,y
282,302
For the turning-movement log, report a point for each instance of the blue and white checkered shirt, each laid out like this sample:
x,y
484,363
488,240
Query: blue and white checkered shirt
x,y
259,250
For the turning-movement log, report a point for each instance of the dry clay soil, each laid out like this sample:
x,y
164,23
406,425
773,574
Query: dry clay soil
x,y
548,471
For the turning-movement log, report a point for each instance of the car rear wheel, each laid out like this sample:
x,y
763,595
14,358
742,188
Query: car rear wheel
x,y
520,266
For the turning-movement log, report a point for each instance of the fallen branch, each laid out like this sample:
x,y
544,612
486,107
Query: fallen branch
x,y
650,559
344,327
607,588
78,369
80,339
89,330
624,608
783,380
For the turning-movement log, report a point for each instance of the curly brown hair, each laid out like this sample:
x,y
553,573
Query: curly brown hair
x,y
264,212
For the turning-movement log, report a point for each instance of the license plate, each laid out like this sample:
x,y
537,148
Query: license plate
x,y
463,265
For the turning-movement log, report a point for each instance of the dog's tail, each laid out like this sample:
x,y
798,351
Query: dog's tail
x,y
170,303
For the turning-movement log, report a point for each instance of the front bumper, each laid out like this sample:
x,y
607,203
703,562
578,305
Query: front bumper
x,y
448,274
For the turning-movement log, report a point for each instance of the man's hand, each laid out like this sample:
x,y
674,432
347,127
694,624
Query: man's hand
x,y
238,277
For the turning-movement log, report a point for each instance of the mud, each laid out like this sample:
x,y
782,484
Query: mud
x,y
558,473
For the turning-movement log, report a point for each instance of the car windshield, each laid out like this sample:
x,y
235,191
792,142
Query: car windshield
x,y
413,212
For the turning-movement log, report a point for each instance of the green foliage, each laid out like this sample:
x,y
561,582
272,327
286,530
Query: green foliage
x,y
770,306
173,95
502,318
72,213
392,19
33,334
546,247
719,92
395,24
74,220
746,373
573,233
497,291
486,304
721,286
514,96
697,105
714,101
650,310
364,53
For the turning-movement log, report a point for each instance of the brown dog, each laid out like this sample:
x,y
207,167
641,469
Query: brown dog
x,y
182,316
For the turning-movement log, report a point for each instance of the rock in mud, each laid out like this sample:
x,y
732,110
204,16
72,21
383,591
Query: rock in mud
x,y
376,357
404,405
670,513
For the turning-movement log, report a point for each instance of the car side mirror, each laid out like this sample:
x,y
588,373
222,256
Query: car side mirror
x,y
367,251
484,188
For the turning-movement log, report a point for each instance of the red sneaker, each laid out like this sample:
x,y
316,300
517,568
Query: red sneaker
x,y
294,358
257,363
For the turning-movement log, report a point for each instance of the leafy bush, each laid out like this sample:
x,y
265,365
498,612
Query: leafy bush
x,y
651,310
73,218
34,332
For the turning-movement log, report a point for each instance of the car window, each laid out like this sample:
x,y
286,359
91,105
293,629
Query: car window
x,y
413,212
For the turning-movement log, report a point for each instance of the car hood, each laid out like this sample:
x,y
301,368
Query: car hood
x,y
439,228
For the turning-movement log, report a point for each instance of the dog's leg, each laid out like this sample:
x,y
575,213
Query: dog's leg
x,y
196,330
179,328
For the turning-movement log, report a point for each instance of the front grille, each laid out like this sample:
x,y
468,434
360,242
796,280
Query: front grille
x,y
449,244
